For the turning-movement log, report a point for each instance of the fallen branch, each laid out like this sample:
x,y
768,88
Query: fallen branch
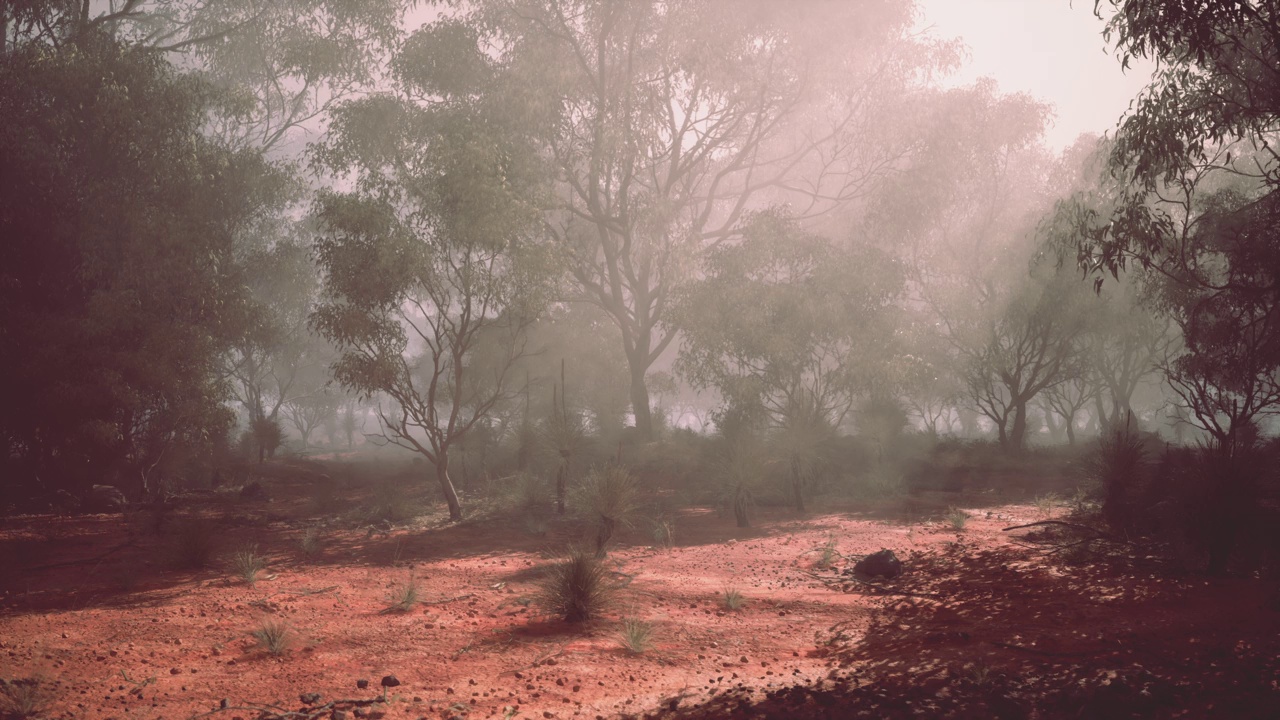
x,y
448,600
1063,523
555,653
273,712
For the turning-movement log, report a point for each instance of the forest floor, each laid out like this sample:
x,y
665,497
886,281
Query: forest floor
x,y
983,623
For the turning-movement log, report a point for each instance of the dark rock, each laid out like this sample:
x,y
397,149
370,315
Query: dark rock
x,y
104,498
253,491
309,698
223,703
362,684
882,564
338,715
390,681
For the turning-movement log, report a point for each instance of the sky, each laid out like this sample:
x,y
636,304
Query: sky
x,y
1047,48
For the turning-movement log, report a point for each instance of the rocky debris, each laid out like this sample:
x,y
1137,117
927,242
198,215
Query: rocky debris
x,y
309,698
390,681
882,564
362,684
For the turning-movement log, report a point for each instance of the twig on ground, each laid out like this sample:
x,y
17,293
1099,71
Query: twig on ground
x,y
838,579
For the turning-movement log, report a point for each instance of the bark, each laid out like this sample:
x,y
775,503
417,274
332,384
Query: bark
x,y
446,486
640,403
1018,433
797,485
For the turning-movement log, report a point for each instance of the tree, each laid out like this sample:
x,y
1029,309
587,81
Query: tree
x,y
120,287
432,266
285,63
792,324
666,121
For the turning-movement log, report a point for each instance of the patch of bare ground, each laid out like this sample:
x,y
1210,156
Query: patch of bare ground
x,y
977,627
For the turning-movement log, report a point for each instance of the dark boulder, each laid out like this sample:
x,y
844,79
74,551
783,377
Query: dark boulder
x,y
882,564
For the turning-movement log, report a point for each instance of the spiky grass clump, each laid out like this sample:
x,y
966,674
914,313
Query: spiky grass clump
x,y
22,698
247,563
193,544
274,636
636,635
1118,466
957,519
1045,504
827,554
663,532
311,543
733,599
577,589
403,597
609,497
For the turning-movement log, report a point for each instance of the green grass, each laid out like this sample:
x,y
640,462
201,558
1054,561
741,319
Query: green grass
x,y
733,599
636,635
274,636
957,519
247,563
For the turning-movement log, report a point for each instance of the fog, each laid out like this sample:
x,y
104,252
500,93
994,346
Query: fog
x,y
591,274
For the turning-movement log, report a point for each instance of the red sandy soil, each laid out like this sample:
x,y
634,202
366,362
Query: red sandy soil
x,y
979,626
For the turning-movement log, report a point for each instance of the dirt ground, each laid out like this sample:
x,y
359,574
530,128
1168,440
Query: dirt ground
x,y
983,623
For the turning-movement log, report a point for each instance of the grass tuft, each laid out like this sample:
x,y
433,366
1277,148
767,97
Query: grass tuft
x,y
636,635
247,563
733,599
193,544
274,636
22,698
957,519
663,532
403,597
577,589
609,497
311,543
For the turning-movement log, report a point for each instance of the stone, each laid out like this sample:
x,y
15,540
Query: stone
x,y
882,564
362,684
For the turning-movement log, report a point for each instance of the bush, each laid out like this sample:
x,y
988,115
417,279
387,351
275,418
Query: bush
x,y
733,599
957,519
526,492
311,543
274,636
1118,466
578,588
247,563
608,497
663,532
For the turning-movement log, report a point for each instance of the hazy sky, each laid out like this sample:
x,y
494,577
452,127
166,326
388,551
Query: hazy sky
x,y
1048,48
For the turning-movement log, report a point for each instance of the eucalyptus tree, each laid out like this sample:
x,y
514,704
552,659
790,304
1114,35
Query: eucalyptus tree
x,y
434,266
665,122
121,287
792,324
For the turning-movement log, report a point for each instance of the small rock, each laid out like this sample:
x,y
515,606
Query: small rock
x,y
362,684
879,564
390,681
309,698
175,671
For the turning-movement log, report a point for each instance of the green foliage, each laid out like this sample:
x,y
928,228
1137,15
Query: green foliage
x,y
120,287
578,588
608,497
247,563
957,519
636,635
274,636
733,599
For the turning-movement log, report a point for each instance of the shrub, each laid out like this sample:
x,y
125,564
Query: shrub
x,y
193,544
1045,504
526,491
733,599
608,497
274,636
311,543
957,518
1118,466
577,589
403,597
663,532
247,563
636,635
22,698
388,503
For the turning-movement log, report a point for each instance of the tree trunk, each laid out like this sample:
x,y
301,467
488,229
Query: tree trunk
x,y
446,485
1018,433
603,534
1071,431
640,404
797,484
562,482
